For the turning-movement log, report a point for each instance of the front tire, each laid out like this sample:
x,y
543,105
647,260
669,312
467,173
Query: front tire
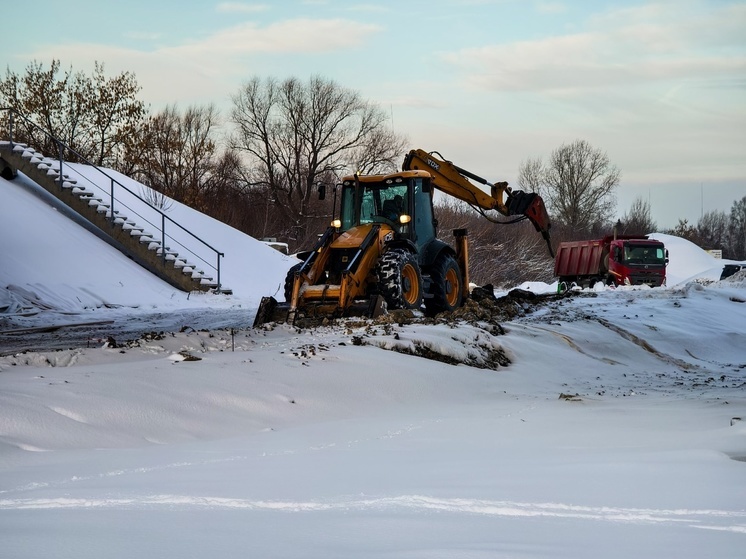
x,y
446,286
290,279
400,279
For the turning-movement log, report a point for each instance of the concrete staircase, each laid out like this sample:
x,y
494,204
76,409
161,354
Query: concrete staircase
x,y
102,209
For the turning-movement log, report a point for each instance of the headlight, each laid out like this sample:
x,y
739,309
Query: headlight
x,y
337,223
404,218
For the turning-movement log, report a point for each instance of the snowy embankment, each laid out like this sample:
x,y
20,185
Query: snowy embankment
x,y
54,266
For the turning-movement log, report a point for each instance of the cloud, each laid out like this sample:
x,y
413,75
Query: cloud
x,y
290,36
203,70
368,8
551,7
414,102
241,8
142,35
626,47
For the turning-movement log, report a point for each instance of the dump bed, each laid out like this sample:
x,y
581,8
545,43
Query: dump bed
x,y
579,258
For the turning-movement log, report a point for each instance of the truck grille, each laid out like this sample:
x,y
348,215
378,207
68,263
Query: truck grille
x,y
646,279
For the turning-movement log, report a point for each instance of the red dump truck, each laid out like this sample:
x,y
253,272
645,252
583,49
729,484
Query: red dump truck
x,y
620,260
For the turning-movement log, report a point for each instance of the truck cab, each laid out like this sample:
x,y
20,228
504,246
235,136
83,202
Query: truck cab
x,y
637,262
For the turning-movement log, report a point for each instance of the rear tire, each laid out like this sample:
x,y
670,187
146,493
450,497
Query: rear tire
x,y
400,279
446,286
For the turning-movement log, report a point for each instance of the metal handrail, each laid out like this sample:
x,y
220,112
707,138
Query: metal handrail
x,y
61,146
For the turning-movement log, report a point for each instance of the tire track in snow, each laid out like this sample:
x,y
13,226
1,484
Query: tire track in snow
x,y
711,519
35,485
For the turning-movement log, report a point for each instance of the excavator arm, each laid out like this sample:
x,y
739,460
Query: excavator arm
x,y
454,181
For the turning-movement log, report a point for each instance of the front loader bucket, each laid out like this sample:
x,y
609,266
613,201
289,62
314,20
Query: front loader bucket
x,y
315,314
271,311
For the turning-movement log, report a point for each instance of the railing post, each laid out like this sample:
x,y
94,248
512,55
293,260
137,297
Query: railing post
x,y
61,154
219,284
163,238
111,203
11,128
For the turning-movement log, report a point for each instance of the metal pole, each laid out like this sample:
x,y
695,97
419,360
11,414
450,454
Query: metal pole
x,y
219,284
111,202
61,154
163,238
11,129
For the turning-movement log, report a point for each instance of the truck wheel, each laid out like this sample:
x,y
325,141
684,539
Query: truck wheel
x,y
289,278
446,285
400,280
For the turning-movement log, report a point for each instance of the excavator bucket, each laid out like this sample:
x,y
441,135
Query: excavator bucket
x,y
532,206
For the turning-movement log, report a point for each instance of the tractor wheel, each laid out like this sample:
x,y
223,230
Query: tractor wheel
x,y
400,280
289,278
446,286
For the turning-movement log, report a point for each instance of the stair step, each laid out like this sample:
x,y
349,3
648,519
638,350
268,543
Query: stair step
x,y
168,251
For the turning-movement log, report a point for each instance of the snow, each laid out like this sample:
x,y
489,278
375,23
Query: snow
x,y
614,430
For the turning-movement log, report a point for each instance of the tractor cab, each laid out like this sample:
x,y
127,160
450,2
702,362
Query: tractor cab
x,y
403,201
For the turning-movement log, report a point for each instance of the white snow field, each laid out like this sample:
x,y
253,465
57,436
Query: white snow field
x,y
606,424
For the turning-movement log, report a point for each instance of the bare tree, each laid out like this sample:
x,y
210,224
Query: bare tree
x,y
298,134
531,175
381,152
684,230
638,221
577,184
49,101
712,230
176,154
737,230
91,114
112,113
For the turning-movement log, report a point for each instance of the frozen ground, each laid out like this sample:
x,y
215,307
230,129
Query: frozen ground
x,y
605,424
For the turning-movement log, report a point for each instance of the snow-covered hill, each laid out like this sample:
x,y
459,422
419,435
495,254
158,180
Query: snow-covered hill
x,y
50,263
603,424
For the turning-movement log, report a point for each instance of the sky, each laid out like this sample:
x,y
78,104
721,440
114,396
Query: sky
x,y
616,430
658,86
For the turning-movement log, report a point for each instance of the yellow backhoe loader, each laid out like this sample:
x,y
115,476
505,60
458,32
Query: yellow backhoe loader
x,y
383,251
